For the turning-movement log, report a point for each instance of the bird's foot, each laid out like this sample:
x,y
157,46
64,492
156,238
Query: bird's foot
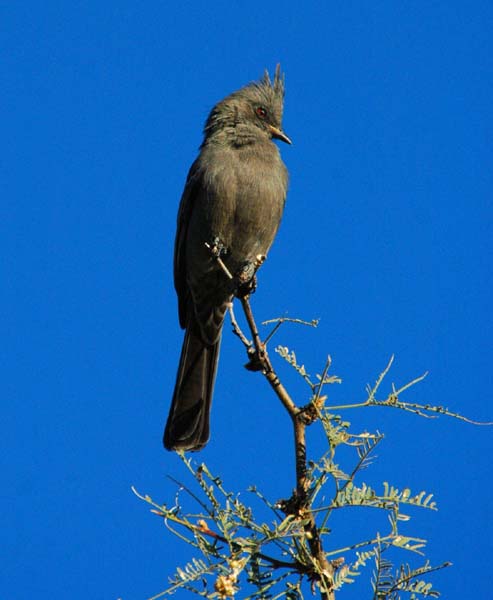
x,y
217,248
260,259
245,280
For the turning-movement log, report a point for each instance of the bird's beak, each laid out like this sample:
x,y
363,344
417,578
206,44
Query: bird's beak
x,y
279,135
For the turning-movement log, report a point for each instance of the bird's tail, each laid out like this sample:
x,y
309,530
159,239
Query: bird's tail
x,y
187,427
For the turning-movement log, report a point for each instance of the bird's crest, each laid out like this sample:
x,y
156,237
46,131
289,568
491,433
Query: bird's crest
x,y
278,84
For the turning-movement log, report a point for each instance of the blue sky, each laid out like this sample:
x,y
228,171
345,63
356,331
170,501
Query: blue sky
x,y
387,238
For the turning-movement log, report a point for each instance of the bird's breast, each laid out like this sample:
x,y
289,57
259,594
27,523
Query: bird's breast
x,y
245,200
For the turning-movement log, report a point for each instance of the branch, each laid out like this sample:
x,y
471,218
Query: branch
x,y
202,529
299,505
323,570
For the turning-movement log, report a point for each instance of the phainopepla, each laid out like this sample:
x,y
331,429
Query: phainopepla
x,y
233,202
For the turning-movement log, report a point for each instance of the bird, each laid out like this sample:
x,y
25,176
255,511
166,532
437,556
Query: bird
x,y
233,201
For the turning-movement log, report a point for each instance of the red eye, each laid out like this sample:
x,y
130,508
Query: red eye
x,y
261,112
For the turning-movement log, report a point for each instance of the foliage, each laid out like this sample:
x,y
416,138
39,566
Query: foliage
x,y
242,554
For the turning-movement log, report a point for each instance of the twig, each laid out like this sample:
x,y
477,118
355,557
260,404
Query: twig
x,y
328,362
202,529
279,321
259,347
236,328
267,368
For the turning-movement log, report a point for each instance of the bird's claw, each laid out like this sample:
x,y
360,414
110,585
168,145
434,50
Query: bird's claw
x,y
246,280
217,248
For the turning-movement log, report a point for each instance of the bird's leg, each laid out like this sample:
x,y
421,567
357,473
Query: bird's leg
x,y
217,247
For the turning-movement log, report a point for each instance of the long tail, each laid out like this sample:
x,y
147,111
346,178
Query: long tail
x,y
187,427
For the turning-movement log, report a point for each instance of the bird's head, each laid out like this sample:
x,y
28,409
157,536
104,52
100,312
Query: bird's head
x,y
252,114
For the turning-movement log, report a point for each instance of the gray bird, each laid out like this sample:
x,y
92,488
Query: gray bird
x,y
233,200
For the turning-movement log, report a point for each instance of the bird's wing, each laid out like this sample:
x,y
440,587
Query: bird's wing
x,y
187,203
202,287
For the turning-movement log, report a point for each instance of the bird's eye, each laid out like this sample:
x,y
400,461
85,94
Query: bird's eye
x,y
261,112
